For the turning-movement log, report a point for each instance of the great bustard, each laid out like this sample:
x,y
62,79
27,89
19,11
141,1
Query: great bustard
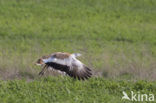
x,y
65,62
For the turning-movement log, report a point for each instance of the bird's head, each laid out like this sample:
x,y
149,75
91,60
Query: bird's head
x,y
39,62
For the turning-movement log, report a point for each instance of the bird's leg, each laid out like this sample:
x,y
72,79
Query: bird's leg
x,y
43,70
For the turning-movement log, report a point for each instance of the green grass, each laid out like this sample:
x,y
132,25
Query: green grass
x,y
117,39
58,90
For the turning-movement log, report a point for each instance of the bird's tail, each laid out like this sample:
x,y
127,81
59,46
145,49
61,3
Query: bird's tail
x,y
76,54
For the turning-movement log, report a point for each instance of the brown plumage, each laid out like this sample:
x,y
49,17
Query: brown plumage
x,y
67,63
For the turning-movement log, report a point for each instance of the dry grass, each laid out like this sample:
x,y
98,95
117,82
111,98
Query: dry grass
x,y
112,64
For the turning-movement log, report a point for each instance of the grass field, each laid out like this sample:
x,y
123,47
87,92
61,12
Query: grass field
x,y
117,39
58,90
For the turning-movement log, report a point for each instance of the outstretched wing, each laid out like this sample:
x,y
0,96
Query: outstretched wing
x,y
74,71
80,73
68,63
72,66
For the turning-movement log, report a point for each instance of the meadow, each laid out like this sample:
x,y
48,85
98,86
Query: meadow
x,y
58,90
117,39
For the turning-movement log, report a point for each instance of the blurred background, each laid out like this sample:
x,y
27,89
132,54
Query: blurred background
x,y
117,38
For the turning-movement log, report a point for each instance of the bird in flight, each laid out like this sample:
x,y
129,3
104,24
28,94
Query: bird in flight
x,y
66,63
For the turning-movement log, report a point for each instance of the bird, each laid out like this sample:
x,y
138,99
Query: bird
x,y
65,63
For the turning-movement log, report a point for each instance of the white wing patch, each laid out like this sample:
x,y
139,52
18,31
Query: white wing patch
x,y
63,61
77,63
66,61
51,59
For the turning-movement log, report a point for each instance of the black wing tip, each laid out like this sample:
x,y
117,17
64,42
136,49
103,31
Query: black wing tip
x,y
84,75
